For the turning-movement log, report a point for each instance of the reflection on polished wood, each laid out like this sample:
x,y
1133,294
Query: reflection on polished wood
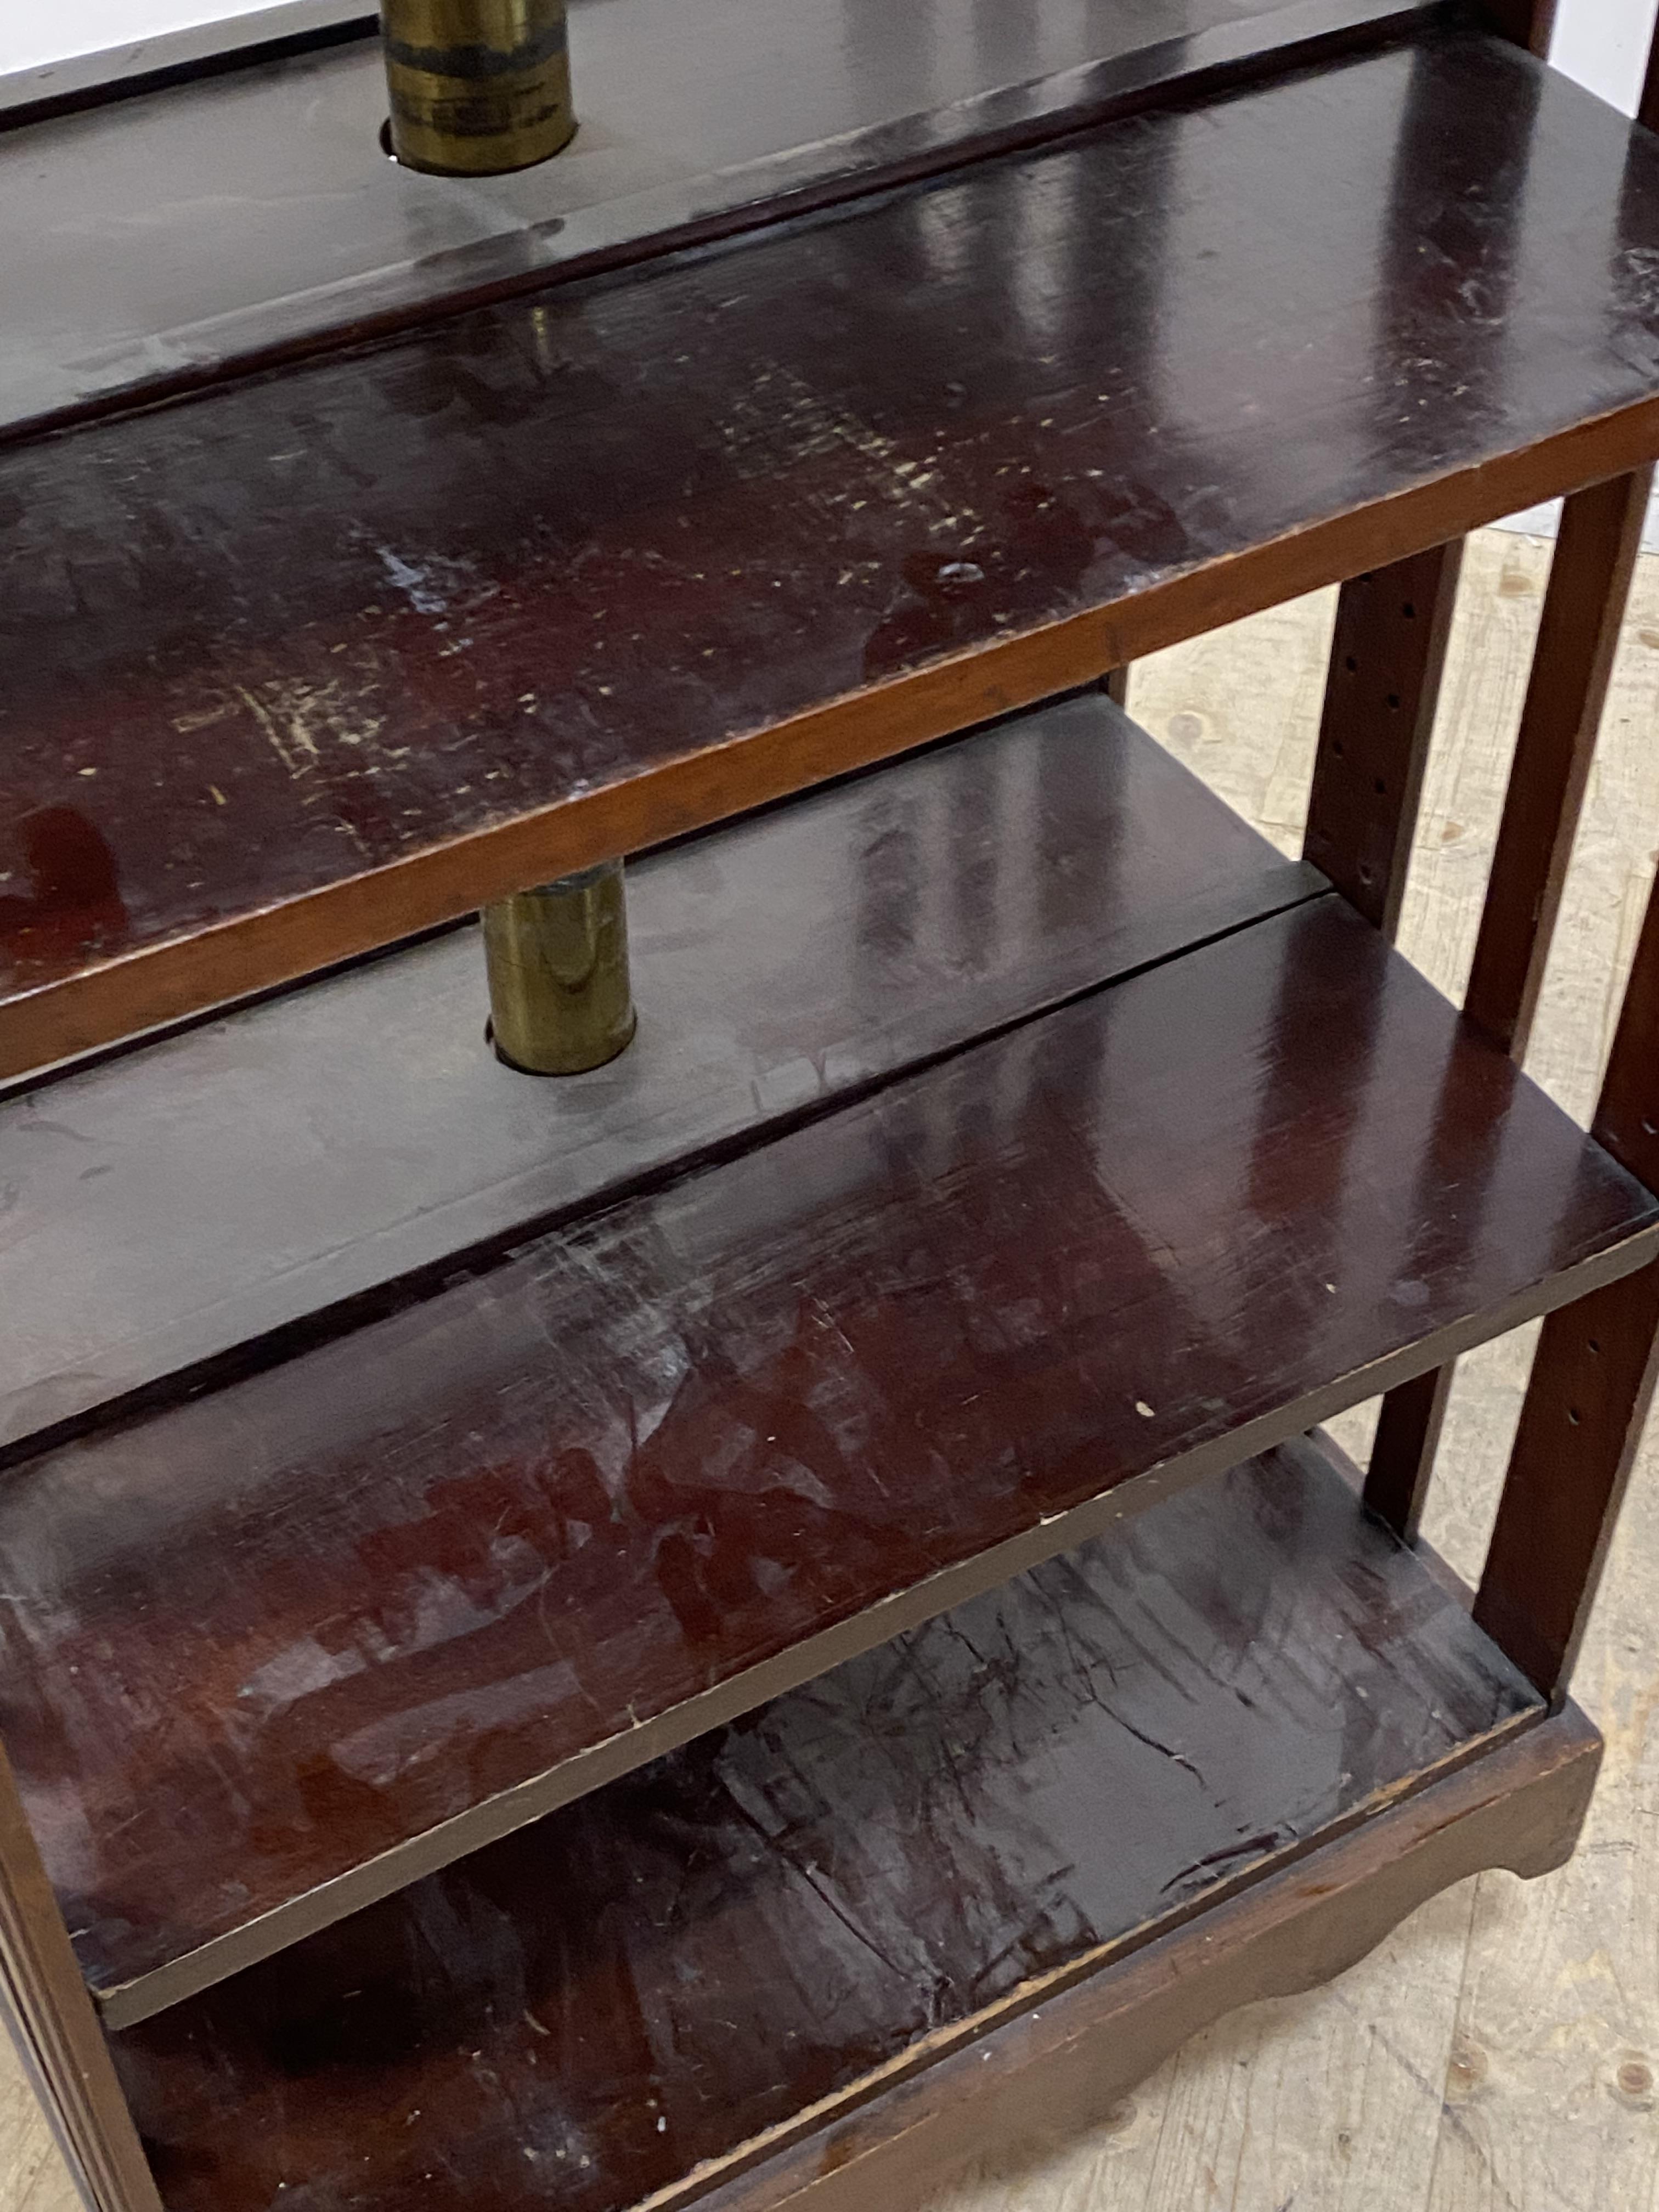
x,y
308,662
129,273
465,1563
781,963
946,1830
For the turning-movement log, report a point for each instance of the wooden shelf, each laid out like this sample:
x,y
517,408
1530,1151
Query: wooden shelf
x,y
313,661
130,272
778,963
755,1933
779,1613
274,1652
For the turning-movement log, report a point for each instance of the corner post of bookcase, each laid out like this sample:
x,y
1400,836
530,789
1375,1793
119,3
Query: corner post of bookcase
x,y
58,2024
1591,1387
1388,657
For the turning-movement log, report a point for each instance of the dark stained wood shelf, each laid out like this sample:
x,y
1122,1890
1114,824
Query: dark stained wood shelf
x,y
275,1651
129,273
659,1982
317,660
778,963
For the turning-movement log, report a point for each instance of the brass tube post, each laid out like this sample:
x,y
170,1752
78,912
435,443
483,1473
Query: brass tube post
x,y
560,1000
479,87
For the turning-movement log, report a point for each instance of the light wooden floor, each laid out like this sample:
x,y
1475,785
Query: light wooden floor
x,y
1499,2053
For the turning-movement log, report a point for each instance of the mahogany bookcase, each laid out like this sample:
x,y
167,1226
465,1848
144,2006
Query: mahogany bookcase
x,y
746,1627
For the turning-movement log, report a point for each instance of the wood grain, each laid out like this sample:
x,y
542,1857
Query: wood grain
x,y
778,964
945,1832
665,1462
1548,2097
565,577
1572,665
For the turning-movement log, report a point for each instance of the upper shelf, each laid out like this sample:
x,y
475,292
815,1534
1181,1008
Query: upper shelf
x,y
154,242
299,666
276,1651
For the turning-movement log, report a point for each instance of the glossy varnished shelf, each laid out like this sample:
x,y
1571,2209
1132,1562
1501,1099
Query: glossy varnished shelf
x,y
778,963
275,1651
129,272
634,1997
306,664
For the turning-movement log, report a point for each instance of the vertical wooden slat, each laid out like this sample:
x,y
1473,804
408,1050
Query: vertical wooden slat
x,y
1578,637
1115,685
1402,1454
56,2020
1387,656
1592,1384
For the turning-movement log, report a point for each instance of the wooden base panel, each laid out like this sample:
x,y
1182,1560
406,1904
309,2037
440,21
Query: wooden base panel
x,y
1043,2078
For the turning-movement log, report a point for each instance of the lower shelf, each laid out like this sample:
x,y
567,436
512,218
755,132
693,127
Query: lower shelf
x,y
668,1980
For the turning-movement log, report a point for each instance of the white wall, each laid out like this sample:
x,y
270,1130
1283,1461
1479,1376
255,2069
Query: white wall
x,y
58,45
1604,44
48,47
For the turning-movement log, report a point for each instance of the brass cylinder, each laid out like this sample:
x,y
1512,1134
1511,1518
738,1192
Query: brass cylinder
x,y
479,87
557,957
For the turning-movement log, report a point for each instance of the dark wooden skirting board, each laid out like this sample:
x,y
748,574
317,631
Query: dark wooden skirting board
x,y
275,1652
781,1918
346,651
778,964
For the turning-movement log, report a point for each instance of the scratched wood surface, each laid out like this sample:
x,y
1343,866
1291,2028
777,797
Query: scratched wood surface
x,y
304,665
360,1598
1500,2048
773,1913
776,964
